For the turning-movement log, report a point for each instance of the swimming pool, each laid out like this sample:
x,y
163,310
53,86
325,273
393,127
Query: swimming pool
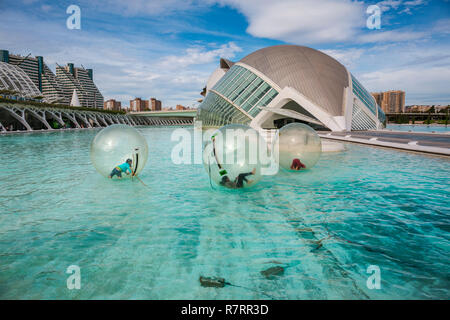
x,y
370,206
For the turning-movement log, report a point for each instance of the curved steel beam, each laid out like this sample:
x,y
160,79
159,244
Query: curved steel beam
x,y
102,119
3,129
71,118
56,116
83,118
20,118
92,116
40,115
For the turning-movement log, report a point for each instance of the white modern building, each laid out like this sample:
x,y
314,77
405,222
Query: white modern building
x,y
57,88
276,85
81,80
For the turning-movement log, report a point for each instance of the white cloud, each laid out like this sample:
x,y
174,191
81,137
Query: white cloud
x,y
147,7
421,84
46,8
318,22
388,4
348,57
302,21
124,67
199,55
419,69
414,3
442,26
390,36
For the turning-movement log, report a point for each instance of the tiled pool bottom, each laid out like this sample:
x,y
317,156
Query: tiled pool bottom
x,y
370,206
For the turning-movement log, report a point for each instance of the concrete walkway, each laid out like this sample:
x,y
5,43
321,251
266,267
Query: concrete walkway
x,y
435,143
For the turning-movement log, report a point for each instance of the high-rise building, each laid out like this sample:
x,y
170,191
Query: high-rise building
x,y
112,104
378,97
138,105
81,80
392,101
39,73
156,104
59,88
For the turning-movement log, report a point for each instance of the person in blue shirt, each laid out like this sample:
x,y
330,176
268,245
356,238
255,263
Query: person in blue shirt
x,y
124,167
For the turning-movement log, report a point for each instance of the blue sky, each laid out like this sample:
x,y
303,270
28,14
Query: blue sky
x,y
167,49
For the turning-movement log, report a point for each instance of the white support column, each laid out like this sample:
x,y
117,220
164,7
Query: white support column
x,y
102,119
93,116
82,116
71,118
20,117
57,116
40,115
130,120
110,119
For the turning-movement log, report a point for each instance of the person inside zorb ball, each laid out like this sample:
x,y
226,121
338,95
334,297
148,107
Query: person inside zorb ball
x,y
119,149
232,156
299,147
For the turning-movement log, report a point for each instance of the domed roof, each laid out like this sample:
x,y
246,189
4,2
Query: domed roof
x,y
316,75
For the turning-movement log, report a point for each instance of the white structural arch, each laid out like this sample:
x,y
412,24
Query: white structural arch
x,y
13,78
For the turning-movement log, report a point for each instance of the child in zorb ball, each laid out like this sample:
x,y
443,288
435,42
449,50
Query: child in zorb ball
x,y
124,167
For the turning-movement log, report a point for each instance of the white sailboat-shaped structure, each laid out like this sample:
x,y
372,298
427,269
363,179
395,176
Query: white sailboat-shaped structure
x,y
75,102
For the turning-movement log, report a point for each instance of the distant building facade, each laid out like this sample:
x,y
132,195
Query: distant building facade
x,y
156,105
81,80
58,88
139,105
180,107
112,104
39,73
426,108
392,101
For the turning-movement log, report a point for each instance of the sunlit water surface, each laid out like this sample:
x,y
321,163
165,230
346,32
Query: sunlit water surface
x,y
419,128
369,206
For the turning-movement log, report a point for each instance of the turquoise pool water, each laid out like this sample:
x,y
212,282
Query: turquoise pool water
x,y
418,128
370,206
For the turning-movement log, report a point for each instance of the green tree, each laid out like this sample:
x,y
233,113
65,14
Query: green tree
x,y
428,121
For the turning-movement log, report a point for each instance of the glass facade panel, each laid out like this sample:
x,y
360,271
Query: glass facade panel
x,y
244,89
228,78
235,82
247,93
262,90
364,96
381,115
244,84
216,111
264,102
